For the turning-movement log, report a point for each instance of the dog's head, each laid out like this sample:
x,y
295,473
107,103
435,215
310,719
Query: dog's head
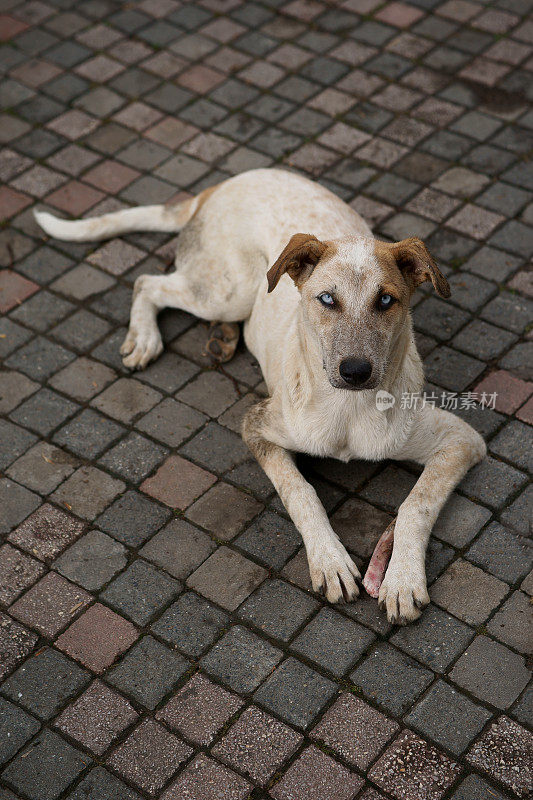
x,y
355,298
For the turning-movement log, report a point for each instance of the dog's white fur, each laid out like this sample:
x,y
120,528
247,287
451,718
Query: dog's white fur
x,y
231,235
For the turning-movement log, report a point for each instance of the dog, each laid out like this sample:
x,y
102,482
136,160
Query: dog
x,y
326,314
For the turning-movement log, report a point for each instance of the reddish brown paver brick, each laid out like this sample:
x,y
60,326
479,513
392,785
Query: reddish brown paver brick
x,y
149,756
224,510
14,289
85,640
205,779
178,482
10,27
399,14
525,413
505,752
354,730
257,744
16,642
17,572
11,202
97,717
200,709
412,769
111,176
316,776
46,532
50,605
510,392
75,198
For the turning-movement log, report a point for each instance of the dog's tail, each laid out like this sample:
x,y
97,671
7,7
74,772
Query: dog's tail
x,y
166,219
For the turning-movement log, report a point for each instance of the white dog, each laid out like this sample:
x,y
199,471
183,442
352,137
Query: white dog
x,y
326,312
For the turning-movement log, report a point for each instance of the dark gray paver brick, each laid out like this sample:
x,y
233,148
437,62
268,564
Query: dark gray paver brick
x,y
171,422
44,411
278,609
502,553
16,728
460,520
134,457
271,538
191,624
179,548
92,561
448,717
45,682
133,518
88,491
15,440
99,784
493,482
436,639
332,641
16,642
18,572
468,592
224,510
40,358
391,679
491,672
16,503
46,769
227,578
88,434
475,788
216,448
148,672
42,467
295,692
513,623
140,592
241,660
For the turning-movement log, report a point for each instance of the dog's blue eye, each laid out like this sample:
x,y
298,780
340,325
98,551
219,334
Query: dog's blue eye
x,y
326,299
385,301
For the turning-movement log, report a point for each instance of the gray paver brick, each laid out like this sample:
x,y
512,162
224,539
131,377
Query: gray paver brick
x,y
92,560
491,672
241,660
295,692
333,641
178,549
140,592
227,578
16,728
191,624
278,609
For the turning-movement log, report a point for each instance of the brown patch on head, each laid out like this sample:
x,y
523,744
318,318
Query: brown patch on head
x,y
415,263
298,259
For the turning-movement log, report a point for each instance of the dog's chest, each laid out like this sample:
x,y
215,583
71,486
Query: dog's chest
x,y
343,432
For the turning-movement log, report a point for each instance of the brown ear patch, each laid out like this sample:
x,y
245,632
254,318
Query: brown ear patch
x,y
417,265
298,258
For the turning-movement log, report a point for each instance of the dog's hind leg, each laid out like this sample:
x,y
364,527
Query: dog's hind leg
x,y
152,293
222,341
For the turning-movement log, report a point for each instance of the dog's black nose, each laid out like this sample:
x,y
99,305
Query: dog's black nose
x,y
355,371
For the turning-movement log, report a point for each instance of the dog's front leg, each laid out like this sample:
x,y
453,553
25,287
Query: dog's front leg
x,y
332,570
448,447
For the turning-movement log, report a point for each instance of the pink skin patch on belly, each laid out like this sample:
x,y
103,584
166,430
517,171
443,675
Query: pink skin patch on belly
x,y
378,563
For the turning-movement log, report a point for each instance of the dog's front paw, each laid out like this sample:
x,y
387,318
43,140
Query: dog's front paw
x,y
403,594
138,349
333,573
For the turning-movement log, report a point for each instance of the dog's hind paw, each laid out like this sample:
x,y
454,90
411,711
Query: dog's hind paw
x,y
223,340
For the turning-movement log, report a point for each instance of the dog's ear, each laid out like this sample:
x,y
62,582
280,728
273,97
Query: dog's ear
x,y
417,265
298,258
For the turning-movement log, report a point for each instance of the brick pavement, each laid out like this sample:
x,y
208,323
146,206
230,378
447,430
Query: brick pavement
x,y
158,635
